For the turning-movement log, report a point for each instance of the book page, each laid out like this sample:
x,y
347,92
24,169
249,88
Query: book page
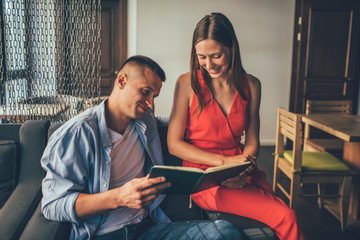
x,y
217,168
214,178
179,168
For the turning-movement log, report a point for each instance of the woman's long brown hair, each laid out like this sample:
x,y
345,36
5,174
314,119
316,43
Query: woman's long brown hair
x,y
216,26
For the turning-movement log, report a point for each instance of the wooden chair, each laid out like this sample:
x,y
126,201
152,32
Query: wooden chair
x,y
332,145
308,167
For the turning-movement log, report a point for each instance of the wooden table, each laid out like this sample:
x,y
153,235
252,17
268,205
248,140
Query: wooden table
x,y
347,128
25,111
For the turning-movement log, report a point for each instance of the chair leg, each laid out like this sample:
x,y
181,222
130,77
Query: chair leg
x,y
294,191
276,174
321,191
344,201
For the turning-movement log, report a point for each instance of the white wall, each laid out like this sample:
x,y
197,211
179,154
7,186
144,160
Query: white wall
x,y
162,30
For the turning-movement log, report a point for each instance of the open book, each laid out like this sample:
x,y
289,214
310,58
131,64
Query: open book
x,y
188,180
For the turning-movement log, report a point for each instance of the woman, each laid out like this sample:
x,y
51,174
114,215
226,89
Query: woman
x,y
213,106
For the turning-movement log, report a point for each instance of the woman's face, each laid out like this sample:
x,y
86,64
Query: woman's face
x,y
213,57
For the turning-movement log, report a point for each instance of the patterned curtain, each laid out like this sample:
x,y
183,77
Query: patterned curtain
x,y
49,58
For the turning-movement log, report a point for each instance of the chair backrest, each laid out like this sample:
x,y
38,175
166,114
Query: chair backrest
x,y
289,126
328,106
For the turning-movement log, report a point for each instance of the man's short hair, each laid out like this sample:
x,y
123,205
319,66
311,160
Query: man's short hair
x,y
142,62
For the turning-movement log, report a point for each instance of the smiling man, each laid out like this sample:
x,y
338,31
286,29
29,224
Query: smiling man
x,y
97,163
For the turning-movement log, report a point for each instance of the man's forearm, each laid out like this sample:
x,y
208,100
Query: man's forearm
x,y
92,205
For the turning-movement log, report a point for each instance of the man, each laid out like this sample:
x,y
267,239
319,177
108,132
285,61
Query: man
x,y
96,166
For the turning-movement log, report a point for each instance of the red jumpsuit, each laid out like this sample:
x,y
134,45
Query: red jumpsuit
x,y
215,132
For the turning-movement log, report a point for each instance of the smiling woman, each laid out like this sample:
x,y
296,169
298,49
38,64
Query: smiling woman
x,y
214,105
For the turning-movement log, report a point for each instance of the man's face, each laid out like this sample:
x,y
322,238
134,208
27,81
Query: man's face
x,y
140,91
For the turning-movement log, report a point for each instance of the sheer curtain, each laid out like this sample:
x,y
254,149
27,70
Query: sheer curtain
x,y
50,58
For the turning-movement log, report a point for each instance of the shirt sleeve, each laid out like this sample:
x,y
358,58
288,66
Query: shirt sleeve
x,y
66,160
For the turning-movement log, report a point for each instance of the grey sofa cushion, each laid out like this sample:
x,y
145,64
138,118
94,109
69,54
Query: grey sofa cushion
x,y
53,127
8,169
10,131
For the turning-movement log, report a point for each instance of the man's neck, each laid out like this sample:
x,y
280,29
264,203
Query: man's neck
x,y
114,122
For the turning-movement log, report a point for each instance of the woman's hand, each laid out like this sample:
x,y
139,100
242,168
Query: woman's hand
x,y
235,159
242,158
236,182
253,167
240,181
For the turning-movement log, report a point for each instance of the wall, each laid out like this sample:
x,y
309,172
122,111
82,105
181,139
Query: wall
x,y
162,30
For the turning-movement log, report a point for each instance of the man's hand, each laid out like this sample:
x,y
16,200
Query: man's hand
x,y
141,192
137,193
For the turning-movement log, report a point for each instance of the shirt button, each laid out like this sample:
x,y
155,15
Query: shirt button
x,y
107,162
104,185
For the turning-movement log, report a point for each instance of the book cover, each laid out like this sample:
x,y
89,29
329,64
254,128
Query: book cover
x,y
187,180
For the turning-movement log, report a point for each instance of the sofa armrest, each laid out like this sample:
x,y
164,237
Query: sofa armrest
x,y
22,203
40,228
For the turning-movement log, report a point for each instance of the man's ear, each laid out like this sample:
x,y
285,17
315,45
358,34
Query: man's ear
x,y
121,80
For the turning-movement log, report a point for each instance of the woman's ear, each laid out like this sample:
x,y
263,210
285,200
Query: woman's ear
x,y
121,80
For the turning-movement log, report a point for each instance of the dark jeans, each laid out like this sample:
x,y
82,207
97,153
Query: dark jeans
x,y
195,230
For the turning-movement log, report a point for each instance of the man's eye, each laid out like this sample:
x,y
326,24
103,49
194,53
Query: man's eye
x,y
145,92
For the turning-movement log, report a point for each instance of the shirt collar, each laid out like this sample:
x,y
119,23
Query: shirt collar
x,y
104,134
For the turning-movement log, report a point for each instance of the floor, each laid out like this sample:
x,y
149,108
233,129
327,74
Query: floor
x,y
317,224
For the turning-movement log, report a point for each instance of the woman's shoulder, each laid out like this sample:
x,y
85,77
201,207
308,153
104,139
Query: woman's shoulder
x,y
183,90
185,77
254,82
184,80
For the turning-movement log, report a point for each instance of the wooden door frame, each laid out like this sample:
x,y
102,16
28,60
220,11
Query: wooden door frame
x,y
298,86
119,35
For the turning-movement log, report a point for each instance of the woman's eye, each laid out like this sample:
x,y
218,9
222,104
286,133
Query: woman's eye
x,y
217,56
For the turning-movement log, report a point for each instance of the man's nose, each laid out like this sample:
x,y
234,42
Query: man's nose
x,y
150,102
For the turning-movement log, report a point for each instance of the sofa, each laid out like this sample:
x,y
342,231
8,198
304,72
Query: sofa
x,y
21,147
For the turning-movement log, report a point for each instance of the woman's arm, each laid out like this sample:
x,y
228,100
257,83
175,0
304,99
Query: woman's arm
x,y
178,120
252,142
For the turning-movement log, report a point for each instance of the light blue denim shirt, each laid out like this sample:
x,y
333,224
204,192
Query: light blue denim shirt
x,y
76,160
